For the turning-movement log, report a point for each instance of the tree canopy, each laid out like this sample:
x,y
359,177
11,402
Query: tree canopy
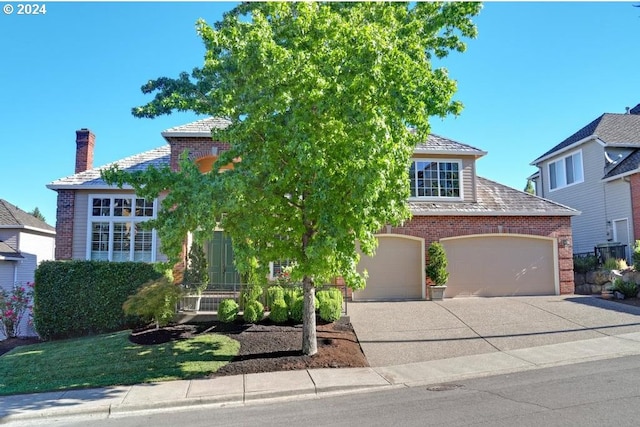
x,y
326,103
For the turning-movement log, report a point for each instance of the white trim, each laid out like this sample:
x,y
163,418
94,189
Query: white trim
x,y
554,246
28,227
440,198
186,134
449,212
628,243
567,148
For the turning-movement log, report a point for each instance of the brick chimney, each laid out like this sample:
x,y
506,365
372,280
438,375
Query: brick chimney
x,y
85,141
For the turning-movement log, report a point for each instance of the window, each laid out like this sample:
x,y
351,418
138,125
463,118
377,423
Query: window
x,y
566,171
115,233
439,179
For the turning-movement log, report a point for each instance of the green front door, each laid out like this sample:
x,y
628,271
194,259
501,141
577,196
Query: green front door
x,y
222,271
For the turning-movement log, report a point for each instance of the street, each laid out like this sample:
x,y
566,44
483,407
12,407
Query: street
x,y
605,392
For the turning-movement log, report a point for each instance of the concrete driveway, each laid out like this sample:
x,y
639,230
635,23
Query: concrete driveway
x,y
396,333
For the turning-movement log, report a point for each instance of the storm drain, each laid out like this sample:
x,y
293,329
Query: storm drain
x,y
444,387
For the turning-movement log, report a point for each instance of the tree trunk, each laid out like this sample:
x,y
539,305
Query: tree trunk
x,y
309,339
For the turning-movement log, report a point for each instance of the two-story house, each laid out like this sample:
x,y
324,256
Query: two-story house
x,y
596,171
499,241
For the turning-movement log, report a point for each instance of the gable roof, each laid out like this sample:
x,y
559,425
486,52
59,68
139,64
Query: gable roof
x,y
157,158
7,253
13,217
436,144
630,163
621,130
494,199
199,128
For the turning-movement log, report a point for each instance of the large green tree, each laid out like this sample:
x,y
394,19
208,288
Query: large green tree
x,y
326,103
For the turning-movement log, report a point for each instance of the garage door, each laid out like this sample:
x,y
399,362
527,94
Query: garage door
x,y
396,271
501,265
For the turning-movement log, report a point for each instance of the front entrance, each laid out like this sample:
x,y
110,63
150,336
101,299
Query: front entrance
x,y
621,234
222,271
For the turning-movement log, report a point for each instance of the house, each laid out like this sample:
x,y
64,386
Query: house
x,y
596,170
499,241
25,241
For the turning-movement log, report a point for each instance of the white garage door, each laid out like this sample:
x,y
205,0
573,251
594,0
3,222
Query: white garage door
x,y
501,265
396,271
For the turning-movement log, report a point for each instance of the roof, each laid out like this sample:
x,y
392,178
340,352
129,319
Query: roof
x,y
436,144
494,199
631,163
13,217
198,128
8,253
622,130
157,158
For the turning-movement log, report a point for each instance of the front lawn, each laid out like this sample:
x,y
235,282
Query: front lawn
x,y
110,359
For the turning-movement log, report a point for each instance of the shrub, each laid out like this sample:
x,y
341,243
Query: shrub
x,y
610,264
252,293
274,293
155,301
297,309
636,255
77,298
227,310
437,266
330,310
584,264
196,275
628,289
253,311
14,306
279,312
291,294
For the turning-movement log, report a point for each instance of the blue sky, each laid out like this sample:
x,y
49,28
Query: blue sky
x,y
536,73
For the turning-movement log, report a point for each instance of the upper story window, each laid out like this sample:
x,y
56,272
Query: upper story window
x,y
566,171
114,229
439,179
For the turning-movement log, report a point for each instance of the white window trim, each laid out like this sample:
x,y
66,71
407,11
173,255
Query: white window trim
x,y
111,219
563,160
440,198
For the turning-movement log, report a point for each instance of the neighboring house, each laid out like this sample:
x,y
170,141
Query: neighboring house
x,y
597,171
25,241
499,241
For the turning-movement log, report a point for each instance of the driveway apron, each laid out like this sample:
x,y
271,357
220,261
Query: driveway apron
x,y
401,332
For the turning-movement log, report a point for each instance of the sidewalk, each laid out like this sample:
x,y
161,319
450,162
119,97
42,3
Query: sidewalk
x,y
244,389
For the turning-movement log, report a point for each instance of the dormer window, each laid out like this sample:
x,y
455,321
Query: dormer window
x,y
435,179
566,171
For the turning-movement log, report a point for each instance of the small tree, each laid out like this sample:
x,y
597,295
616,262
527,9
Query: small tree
x,y
529,188
196,275
155,301
437,265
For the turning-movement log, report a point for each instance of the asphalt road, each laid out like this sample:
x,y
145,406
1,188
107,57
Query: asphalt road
x,y
597,393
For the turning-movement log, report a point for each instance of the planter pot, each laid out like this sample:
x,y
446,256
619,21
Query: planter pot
x,y
436,293
190,303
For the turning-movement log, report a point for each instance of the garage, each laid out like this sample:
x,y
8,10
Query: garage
x,y
501,265
396,271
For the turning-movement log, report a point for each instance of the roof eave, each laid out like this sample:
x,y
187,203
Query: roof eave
x,y
27,227
199,134
476,154
494,213
87,187
567,148
622,175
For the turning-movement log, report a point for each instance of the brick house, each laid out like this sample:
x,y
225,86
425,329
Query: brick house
x,y
499,241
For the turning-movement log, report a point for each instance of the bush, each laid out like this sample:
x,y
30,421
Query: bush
x,y
253,311
155,301
330,310
628,289
227,310
291,294
636,255
274,293
584,264
610,264
77,298
437,266
279,312
252,293
196,275
297,309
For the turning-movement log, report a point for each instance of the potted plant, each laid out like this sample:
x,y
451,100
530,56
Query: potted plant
x,y
196,277
437,271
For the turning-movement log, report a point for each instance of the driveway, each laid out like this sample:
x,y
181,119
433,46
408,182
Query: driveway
x,y
396,333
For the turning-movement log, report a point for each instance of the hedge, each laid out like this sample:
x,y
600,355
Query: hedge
x,y
78,298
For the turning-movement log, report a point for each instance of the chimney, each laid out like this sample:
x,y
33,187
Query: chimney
x,y
85,141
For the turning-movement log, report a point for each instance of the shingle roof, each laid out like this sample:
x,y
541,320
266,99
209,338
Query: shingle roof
x,y
198,128
157,158
439,144
7,252
612,129
495,199
12,216
628,164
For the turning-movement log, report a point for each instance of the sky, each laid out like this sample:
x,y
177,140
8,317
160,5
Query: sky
x,y
536,73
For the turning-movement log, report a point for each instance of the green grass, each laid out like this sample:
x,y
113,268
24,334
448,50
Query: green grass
x,y
110,359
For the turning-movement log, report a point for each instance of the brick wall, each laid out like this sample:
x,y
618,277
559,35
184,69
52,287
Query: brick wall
x,y
64,224
197,146
85,143
433,228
